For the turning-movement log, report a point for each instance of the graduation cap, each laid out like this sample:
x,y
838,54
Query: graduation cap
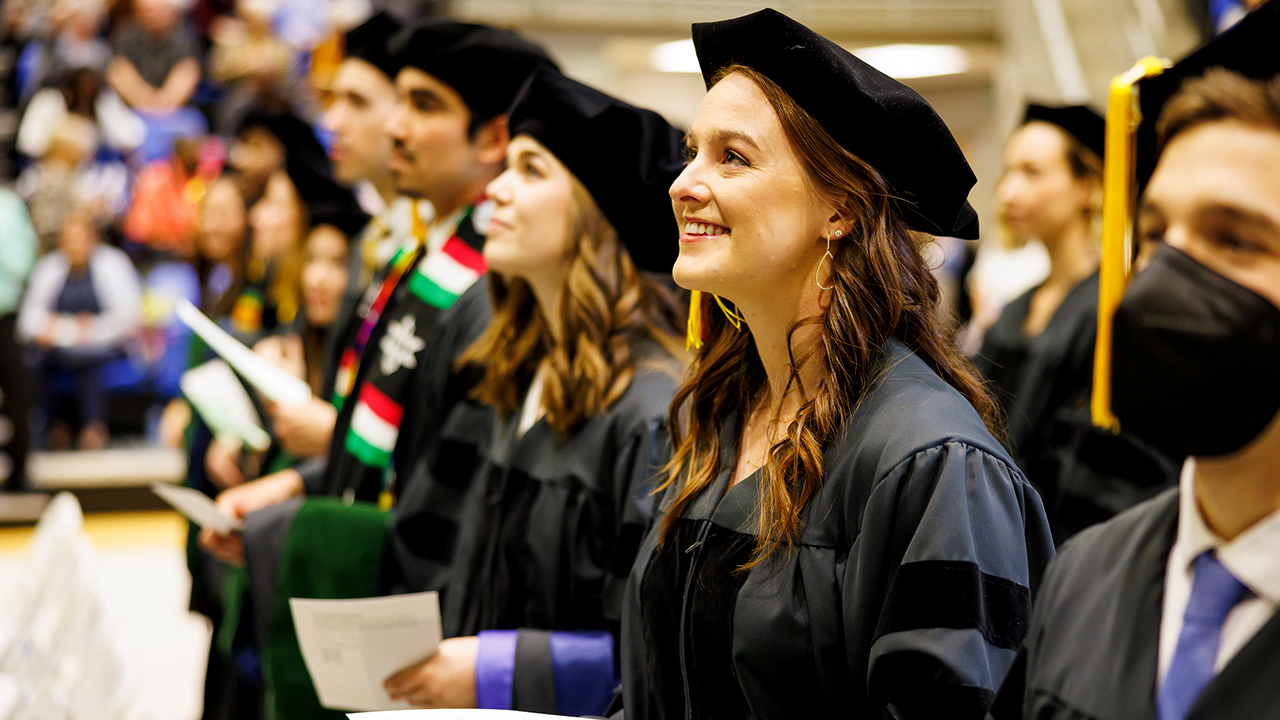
x,y
368,42
577,122
1079,121
307,165
484,65
880,120
1136,100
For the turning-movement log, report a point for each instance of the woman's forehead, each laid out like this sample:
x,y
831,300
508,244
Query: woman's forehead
x,y
735,106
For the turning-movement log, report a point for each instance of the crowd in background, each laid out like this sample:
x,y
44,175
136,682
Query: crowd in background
x,y
141,173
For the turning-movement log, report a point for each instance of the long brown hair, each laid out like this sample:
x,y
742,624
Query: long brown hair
x,y
882,289
607,305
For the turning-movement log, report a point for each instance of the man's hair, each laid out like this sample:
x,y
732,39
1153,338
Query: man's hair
x,y
1219,95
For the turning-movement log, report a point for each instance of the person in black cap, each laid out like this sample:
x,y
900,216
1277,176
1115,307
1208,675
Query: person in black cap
x,y
840,535
579,365
1168,611
395,383
1039,354
446,147
361,99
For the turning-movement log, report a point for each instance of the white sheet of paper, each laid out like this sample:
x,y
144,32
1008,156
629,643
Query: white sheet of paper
x,y
197,507
272,381
471,714
351,647
216,393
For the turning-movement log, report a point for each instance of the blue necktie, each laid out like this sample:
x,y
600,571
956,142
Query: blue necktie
x,y
1214,591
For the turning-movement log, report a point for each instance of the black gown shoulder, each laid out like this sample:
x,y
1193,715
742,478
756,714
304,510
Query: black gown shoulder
x,y
909,586
556,519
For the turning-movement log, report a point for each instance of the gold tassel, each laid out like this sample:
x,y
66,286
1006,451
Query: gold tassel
x,y
419,227
734,318
693,338
693,335
1123,119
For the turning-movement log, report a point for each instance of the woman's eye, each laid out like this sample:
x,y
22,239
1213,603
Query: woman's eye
x,y
689,154
734,158
532,171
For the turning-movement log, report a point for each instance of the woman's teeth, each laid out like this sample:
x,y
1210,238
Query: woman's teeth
x,y
705,229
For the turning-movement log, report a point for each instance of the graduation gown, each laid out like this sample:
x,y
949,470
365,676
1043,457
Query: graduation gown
x,y
1093,647
910,584
1044,384
554,527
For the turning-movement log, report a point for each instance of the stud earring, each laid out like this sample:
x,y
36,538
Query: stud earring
x,y
818,272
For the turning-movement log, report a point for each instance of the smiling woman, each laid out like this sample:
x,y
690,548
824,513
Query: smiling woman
x,y
817,551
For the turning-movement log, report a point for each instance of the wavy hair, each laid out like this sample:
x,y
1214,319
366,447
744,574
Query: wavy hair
x,y
607,306
882,289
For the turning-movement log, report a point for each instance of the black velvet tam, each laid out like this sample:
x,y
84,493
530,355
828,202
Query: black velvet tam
x,y
368,42
1248,48
1079,121
880,120
307,165
627,157
347,217
485,65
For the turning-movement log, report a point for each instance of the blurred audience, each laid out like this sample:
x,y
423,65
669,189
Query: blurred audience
x,y
250,61
82,303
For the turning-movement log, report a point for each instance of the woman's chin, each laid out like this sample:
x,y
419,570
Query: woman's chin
x,y
691,273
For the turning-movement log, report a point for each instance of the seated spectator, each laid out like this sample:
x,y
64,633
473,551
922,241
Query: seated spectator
x,y
162,216
250,61
68,175
80,92
66,38
156,72
83,302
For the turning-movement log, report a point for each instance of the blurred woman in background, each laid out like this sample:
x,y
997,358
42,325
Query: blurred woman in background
x,y
1039,354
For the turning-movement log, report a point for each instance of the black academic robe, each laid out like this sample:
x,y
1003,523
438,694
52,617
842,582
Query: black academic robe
x,y
910,584
1093,647
1044,384
555,520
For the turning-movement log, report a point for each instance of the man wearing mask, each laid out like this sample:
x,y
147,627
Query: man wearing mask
x,y
1168,611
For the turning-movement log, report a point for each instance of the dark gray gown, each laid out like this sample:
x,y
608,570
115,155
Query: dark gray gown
x,y
1092,651
1044,383
910,585
552,527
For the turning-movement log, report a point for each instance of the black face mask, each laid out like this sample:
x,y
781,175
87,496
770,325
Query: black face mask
x,y
1196,359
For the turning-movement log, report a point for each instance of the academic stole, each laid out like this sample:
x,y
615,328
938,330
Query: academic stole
x,y
431,287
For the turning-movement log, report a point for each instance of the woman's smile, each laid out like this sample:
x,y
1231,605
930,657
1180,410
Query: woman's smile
x,y
696,231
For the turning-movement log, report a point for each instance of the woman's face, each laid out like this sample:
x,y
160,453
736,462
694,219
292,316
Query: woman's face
x,y
751,224
276,218
222,222
256,154
324,274
529,234
1038,194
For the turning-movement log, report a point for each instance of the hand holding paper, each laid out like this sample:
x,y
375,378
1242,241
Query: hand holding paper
x,y
351,646
198,508
216,393
273,382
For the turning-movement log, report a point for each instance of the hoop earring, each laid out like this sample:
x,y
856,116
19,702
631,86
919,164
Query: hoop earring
x,y
818,272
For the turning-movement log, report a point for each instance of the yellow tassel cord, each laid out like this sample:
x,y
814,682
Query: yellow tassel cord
x,y
693,337
1123,118
419,227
